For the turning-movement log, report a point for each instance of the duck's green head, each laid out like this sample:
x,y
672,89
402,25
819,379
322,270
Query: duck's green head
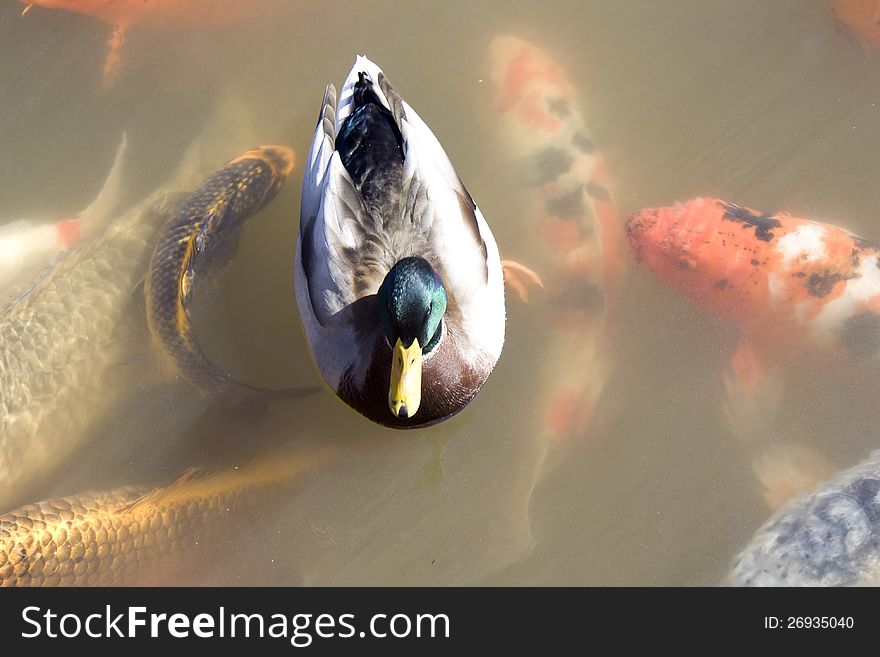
x,y
411,303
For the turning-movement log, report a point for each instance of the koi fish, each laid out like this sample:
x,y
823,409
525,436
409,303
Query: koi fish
x,y
120,536
66,338
572,214
125,15
208,221
787,284
780,279
28,247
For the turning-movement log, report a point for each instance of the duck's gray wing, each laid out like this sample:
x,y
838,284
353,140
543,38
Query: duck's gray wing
x,y
331,236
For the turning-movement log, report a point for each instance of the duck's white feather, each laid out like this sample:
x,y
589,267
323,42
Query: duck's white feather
x,y
361,65
455,228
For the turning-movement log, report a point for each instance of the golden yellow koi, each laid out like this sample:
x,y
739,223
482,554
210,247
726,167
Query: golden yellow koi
x,y
119,536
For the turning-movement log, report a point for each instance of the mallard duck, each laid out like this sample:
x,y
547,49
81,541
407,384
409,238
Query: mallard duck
x,y
398,278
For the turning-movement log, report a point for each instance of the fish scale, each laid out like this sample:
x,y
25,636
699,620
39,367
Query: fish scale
x,y
209,220
60,344
121,536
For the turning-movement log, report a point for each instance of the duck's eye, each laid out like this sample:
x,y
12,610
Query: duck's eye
x,y
412,361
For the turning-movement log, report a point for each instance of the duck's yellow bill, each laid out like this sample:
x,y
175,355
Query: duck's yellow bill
x,y
405,393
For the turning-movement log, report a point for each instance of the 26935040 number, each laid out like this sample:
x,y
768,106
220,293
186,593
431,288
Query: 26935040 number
x,y
808,622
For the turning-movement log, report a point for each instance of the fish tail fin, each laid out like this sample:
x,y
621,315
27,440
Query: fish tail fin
x,y
192,365
265,472
235,393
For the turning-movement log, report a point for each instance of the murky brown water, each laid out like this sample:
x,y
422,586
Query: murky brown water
x,y
765,104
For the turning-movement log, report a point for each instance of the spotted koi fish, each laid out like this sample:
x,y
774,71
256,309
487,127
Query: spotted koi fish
x,y
29,247
573,215
787,284
778,278
125,15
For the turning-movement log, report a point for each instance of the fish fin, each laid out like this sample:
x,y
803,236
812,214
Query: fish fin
x,y
786,470
519,277
98,213
274,469
113,60
163,366
29,6
243,392
223,250
858,43
754,393
138,290
570,411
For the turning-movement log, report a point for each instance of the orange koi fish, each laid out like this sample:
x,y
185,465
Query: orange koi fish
x,y
572,214
778,278
124,15
787,284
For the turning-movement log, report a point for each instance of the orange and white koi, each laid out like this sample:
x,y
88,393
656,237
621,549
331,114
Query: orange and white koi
x,y
573,215
789,285
28,247
780,279
124,15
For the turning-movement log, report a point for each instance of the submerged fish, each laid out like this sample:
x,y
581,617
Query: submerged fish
x,y
124,15
829,537
59,346
781,280
790,286
62,345
208,221
572,212
28,247
122,536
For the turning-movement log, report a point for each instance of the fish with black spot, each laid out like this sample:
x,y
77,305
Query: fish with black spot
x,y
776,277
567,205
790,286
